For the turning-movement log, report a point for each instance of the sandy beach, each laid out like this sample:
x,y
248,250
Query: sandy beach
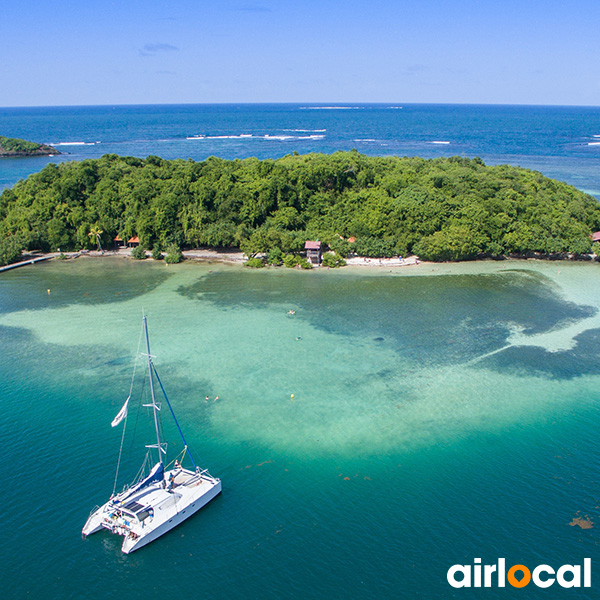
x,y
231,257
196,254
361,261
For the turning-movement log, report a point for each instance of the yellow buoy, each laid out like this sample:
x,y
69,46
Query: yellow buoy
x,y
48,290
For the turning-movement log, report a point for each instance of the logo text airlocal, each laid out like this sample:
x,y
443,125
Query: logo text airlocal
x,y
478,575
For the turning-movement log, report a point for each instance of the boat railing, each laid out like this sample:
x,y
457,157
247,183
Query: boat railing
x,y
206,475
198,477
203,473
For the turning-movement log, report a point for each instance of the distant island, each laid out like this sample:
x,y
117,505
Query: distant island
x,y
443,209
12,147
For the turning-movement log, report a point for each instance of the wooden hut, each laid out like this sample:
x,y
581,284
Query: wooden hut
x,y
313,252
133,242
119,243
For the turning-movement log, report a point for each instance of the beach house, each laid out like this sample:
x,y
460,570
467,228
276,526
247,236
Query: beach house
x,y
313,251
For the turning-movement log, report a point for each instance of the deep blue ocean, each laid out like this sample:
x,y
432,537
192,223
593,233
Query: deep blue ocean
x,y
561,142
399,422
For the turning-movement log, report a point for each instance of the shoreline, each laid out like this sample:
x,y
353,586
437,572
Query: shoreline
x,y
208,256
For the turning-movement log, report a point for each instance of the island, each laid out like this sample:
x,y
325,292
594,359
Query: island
x,y
443,209
14,147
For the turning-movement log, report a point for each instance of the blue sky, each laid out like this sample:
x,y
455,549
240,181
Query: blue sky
x,y
68,52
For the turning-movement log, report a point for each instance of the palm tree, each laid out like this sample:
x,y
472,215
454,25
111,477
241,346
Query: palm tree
x,y
96,232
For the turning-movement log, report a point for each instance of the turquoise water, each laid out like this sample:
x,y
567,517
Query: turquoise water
x,y
439,414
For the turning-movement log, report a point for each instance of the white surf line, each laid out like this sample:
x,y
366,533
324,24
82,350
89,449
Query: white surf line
x,y
73,143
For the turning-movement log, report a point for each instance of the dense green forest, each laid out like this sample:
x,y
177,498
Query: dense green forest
x,y
440,209
18,147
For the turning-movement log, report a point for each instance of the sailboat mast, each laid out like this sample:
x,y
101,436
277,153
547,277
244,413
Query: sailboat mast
x,y
154,407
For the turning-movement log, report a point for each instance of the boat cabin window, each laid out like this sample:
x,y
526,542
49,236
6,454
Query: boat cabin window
x,y
139,510
144,514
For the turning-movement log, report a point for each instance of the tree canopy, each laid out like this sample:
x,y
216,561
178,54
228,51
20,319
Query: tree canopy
x,y
440,209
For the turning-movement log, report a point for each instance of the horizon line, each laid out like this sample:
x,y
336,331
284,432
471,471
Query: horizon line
x,y
299,103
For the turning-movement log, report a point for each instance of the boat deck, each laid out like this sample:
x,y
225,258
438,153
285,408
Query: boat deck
x,y
182,484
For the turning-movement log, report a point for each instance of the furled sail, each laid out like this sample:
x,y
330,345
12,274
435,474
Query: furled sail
x,y
122,413
156,474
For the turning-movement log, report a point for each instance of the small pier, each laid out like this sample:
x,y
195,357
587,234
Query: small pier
x,y
29,261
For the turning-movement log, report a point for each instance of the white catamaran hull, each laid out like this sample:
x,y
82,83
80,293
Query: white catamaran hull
x,y
131,545
169,508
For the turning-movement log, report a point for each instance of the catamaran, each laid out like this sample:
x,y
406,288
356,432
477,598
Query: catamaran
x,y
166,496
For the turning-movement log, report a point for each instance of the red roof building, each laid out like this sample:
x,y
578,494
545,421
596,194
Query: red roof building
x,y
312,245
133,242
596,236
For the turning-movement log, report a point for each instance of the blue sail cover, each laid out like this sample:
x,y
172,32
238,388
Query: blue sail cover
x,y
156,474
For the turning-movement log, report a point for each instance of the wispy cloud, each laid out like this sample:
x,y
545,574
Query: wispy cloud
x,y
153,49
253,8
